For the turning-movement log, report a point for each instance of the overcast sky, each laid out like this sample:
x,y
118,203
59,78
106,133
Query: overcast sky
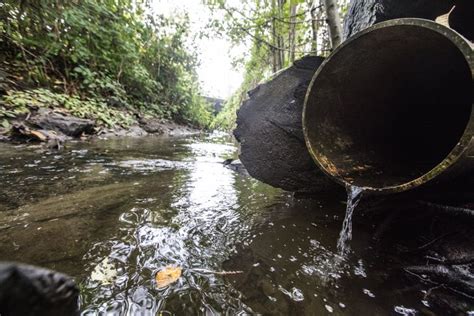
x,y
216,73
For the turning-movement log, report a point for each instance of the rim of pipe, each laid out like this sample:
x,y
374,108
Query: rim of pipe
x,y
464,46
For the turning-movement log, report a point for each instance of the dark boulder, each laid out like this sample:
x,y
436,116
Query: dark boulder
x,y
364,13
64,123
27,290
270,133
20,132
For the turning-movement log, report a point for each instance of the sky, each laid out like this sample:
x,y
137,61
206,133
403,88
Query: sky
x,y
218,78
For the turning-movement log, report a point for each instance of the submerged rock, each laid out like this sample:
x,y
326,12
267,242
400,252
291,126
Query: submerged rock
x,y
235,165
458,277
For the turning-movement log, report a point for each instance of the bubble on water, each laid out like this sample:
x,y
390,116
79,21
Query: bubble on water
x,y
329,308
368,293
295,294
402,310
360,269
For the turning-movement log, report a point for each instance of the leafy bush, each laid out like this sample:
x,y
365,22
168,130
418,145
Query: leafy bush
x,y
108,52
22,102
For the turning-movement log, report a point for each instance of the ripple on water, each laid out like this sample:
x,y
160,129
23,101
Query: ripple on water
x,y
114,213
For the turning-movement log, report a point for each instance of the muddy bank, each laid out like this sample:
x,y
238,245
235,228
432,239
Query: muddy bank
x,y
151,127
55,127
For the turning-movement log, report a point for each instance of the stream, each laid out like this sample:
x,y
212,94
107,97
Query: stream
x,y
111,213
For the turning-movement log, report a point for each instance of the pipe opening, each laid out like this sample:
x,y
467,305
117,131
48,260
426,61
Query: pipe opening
x,y
389,106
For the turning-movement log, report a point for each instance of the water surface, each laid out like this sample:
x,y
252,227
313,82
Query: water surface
x,y
111,213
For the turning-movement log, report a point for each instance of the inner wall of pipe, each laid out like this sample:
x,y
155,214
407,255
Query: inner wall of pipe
x,y
390,106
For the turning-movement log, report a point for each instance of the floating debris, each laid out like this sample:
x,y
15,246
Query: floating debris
x,y
104,272
167,276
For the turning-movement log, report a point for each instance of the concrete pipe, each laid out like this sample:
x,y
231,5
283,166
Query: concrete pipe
x,y
391,109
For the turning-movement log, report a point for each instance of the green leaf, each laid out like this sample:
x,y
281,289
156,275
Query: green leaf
x,y
6,124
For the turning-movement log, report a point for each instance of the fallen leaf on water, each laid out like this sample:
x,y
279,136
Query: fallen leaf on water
x,y
168,276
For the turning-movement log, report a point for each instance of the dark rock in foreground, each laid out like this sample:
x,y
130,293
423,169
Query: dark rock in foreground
x,y
270,133
27,290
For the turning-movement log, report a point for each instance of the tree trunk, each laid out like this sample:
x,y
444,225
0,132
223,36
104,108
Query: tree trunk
x,y
334,22
281,41
275,52
314,26
292,33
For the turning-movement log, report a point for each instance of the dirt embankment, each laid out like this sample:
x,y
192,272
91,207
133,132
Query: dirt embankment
x,y
54,127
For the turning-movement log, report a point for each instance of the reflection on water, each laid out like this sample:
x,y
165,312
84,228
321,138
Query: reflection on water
x,y
113,213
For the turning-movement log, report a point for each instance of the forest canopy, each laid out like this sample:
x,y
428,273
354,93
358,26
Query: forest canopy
x,y
279,32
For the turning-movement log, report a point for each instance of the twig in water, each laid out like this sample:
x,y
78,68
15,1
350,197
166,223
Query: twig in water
x,y
434,241
217,272
448,208
428,293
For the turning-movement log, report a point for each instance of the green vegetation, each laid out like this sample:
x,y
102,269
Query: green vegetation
x,y
101,59
255,71
17,103
279,32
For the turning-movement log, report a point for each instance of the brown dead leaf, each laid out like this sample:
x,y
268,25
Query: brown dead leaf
x,y
168,276
444,19
38,135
